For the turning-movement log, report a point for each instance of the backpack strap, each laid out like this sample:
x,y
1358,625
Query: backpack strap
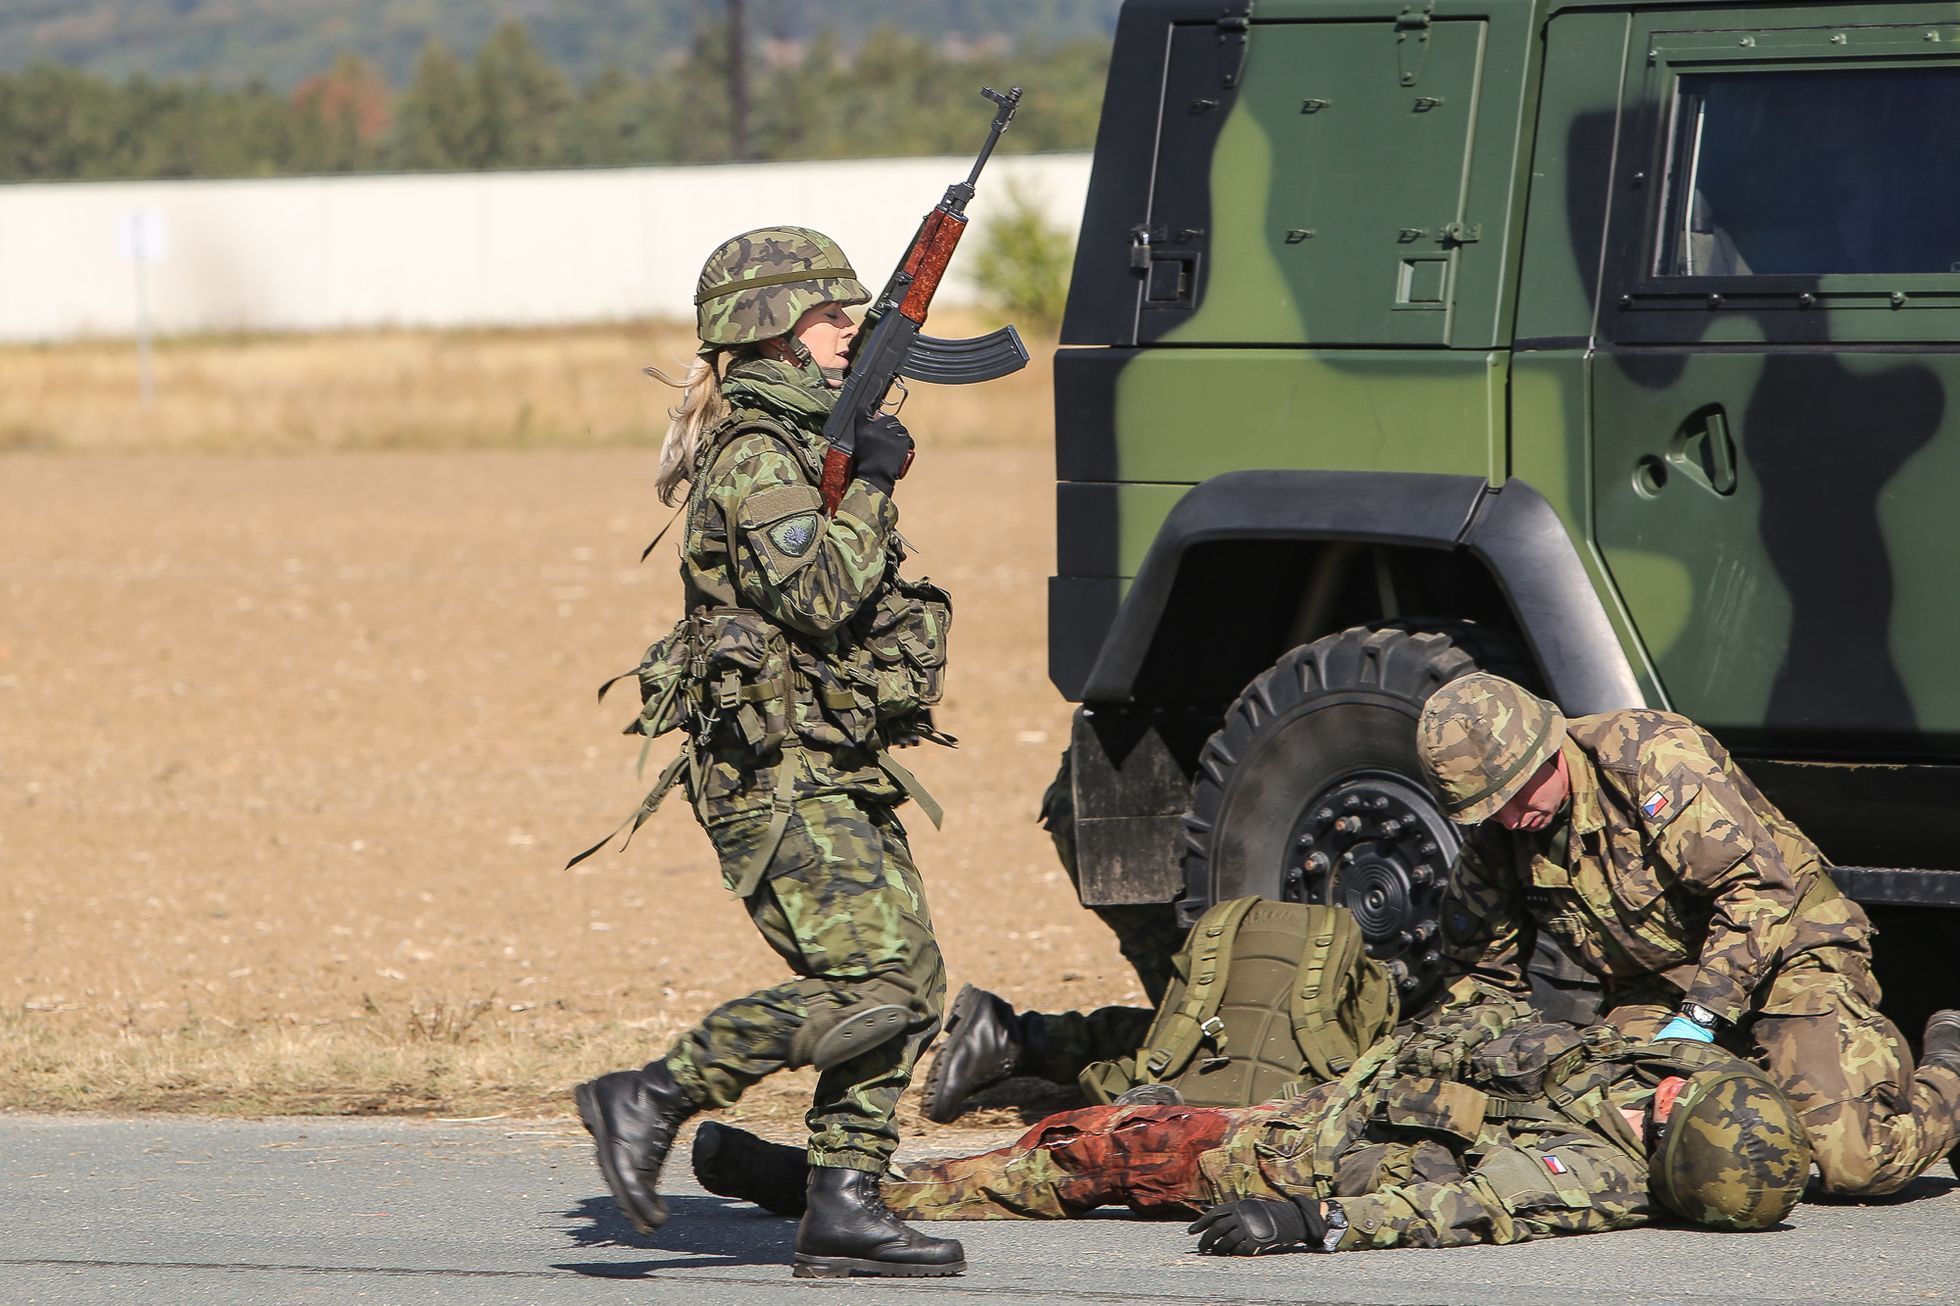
x,y
1177,1033
1334,945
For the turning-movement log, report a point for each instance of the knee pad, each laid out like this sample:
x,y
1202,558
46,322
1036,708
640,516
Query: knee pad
x,y
885,1010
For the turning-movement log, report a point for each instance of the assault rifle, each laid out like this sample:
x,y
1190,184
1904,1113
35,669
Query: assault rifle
x,y
888,345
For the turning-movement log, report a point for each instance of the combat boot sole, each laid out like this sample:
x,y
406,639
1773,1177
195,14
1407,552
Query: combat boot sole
x,y
624,1198
844,1267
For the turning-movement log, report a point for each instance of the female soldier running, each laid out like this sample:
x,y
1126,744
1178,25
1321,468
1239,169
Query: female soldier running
x,y
802,658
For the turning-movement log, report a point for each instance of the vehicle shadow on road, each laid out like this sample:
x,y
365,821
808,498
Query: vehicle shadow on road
x,y
705,1232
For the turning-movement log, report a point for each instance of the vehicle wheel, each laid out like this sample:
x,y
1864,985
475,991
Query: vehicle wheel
x,y
1311,790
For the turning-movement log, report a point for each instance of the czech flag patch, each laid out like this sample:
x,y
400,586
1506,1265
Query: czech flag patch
x,y
1656,804
1555,1165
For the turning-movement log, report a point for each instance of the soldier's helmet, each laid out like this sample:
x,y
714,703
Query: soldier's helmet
x,y
1732,1154
1481,739
755,285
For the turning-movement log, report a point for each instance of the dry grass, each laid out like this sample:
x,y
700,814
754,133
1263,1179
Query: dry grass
x,y
569,387
418,1062
292,748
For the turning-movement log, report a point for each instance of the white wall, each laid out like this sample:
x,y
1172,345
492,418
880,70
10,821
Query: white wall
x,y
475,249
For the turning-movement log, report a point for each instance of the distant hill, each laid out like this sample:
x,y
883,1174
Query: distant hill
x,y
282,42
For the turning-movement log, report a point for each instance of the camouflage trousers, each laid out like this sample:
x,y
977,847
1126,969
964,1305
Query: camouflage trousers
x,y
1874,1123
1061,1044
1165,1161
1142,1157
842,903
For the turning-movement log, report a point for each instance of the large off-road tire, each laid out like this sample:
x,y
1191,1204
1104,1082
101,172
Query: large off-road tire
x,y
1311,790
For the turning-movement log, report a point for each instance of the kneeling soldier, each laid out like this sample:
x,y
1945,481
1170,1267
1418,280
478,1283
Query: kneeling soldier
x,y
1634,840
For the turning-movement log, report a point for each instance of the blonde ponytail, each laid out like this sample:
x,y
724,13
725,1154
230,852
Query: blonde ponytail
x,y
700,407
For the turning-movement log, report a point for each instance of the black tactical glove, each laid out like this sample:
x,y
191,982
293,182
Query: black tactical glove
x,y
1256,1225
883,445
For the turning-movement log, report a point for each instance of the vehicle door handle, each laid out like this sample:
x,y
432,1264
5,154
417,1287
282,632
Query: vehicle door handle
x,y
1704,450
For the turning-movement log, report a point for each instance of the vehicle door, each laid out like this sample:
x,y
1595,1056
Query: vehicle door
x,y
1776,392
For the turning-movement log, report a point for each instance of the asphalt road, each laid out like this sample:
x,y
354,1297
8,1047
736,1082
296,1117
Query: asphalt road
x,y
168,1210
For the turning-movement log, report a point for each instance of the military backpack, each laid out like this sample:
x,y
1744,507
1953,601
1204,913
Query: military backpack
x,y
1268,997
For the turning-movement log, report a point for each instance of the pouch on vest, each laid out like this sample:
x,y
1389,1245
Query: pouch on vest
x,y
743,669
1267,997
1445,1106
664,683
837,709
907,637
1523,1062
664,678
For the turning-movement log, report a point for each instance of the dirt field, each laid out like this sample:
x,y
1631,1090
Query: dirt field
x,y
293,746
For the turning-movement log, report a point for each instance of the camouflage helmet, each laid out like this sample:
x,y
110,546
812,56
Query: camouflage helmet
x,y
1481,739
755,285
1733,1155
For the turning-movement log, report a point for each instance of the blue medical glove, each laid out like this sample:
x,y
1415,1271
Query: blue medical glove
x,y
1682,1027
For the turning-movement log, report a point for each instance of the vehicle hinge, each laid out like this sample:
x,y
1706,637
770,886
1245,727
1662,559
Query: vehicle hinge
x,y
1414,16
1461,233
1412,38
1234,26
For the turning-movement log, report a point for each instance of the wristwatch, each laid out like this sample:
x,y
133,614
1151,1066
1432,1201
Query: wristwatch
x,y
1337,1224
1700,1015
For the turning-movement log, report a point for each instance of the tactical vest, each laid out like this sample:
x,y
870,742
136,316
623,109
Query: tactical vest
x,y
1545,1072
1267,997
741,685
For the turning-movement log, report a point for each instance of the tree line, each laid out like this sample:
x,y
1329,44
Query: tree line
x,y
509,106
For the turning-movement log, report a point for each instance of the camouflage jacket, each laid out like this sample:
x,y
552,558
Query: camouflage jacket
x,y
1452,1135
757,540
1669,876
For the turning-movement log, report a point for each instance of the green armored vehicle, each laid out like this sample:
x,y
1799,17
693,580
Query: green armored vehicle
x,y
1611,346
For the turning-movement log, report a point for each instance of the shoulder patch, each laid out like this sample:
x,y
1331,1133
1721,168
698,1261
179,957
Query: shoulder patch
x,y
795,535
783,524
1669,797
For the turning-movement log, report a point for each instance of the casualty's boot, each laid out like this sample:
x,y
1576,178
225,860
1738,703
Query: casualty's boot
x,y
632,1116
735,1163
985,1043
1941,1047
848,1231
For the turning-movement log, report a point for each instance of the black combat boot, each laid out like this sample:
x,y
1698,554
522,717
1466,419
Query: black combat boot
x,y
1941,1047
985,1043
735,1163
847,1231
632,1116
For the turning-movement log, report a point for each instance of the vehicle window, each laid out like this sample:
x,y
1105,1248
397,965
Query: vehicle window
x,y
1813,173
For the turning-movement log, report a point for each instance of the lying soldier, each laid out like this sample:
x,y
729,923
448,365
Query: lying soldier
x,y
1488,1125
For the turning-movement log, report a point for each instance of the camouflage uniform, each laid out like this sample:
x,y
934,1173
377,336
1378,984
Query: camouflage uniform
x,y
787,771
1406,1144
1673,879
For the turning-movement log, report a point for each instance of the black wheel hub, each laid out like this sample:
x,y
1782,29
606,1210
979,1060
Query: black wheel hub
x,y
1376,844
